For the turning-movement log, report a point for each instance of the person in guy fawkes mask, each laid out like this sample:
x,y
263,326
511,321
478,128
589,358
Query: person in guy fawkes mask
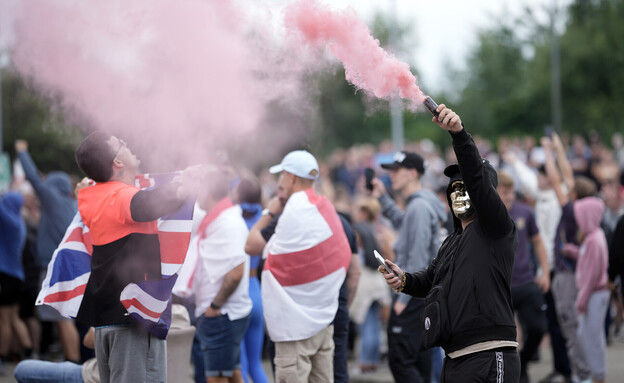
x,y
468,310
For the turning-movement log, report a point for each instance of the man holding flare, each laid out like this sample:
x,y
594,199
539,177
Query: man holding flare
x,y
468,310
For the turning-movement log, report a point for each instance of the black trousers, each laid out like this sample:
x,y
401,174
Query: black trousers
x,y
408,361
341,338
529,302
492,366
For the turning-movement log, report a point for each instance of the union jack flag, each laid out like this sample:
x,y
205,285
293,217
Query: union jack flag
x,y
148,302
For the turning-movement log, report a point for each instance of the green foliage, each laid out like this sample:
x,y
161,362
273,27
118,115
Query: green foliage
x,y
509,92
496,99
592,67
51,140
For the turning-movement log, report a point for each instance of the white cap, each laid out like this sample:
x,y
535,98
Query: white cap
x,y
300,163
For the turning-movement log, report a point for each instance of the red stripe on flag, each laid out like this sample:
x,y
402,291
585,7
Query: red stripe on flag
x,y
87,242
77,235
62,296
173,246
144,181
312,264
135,302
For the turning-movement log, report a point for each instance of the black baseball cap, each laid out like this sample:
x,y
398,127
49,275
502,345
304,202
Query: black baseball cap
x,y
408,160
452,172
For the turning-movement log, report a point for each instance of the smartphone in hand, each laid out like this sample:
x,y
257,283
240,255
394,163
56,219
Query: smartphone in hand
x,y
382,262
369,174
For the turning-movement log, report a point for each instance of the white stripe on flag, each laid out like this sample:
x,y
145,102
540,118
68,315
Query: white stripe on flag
x,y
69,308
133,291
64,286
292,236
74,245
168,269
299,312
175,225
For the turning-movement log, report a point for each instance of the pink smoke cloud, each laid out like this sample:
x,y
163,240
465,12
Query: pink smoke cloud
x,y
175,75
188,77
367,65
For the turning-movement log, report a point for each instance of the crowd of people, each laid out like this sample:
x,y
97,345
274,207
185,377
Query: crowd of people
x,y
490,251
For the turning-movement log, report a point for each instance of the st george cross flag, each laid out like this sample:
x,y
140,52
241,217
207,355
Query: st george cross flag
x,y
148,302
307,262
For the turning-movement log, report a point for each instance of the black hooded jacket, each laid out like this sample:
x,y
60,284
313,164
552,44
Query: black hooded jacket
x,y
475,264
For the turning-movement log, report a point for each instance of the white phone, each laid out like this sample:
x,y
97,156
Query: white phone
x,y
382,261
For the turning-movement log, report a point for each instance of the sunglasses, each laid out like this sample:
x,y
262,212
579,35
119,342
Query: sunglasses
x,y
122,144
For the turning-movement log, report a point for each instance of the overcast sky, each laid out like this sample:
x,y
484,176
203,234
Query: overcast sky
x,y
446,29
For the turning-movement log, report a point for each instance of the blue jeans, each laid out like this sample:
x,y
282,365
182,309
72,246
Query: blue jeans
x,y
197,356
370,334
220,340
437,360
39,371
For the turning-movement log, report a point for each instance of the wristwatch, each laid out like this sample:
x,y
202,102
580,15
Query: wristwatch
x,y
214,307
267,212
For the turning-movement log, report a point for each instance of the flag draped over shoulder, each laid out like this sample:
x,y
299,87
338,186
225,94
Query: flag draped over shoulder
x,y
307,261
148,302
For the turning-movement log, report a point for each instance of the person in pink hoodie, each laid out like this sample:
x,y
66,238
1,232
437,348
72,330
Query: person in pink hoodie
x,y
591,280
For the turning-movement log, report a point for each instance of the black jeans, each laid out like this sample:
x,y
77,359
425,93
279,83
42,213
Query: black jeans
x,y
529,302
341,338
495,366
408,361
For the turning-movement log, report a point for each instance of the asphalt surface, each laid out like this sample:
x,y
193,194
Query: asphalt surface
x,y
537,370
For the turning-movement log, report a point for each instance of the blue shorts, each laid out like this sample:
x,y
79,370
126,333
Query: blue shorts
x,y
220,340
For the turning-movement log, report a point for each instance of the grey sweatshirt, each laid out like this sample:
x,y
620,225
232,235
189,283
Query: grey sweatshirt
x,y
418,229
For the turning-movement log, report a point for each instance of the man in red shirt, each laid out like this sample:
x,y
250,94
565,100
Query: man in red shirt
x,y
122,223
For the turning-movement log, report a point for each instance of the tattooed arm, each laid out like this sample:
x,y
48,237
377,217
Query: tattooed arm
x,y
230,283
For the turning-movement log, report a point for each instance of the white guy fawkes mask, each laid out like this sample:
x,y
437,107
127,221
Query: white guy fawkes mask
x,y
460,201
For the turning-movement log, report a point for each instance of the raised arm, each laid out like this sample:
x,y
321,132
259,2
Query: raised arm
x,y
388,208
526,177
490,209
552,172
542,279
30,169
149,205
567,173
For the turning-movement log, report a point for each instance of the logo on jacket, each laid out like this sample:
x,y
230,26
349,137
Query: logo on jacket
x,y
427,323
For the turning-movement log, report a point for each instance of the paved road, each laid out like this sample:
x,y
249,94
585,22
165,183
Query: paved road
x,y
537,370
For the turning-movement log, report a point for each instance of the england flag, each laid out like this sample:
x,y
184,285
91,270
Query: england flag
x,y
306,263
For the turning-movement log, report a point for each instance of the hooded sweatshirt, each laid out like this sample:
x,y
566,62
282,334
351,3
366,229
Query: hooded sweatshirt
x,y
591,269
474,266
57,207
13,234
